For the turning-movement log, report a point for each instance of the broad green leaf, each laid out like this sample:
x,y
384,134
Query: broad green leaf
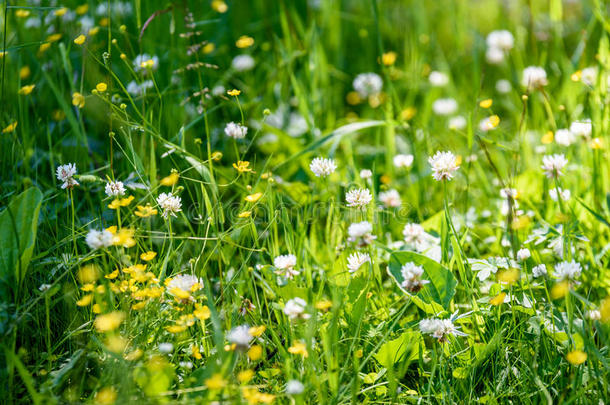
x,y
18,225
405,347
434,296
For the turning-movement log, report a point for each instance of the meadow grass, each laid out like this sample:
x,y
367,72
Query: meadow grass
x,y
304,202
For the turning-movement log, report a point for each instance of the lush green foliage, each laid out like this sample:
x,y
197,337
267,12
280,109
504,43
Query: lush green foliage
x,y
186,261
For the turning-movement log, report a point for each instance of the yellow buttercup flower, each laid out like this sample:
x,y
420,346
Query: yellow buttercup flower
x,y
388,58
21,13
93,31
244,214
54,37
576,357
597,143
208,48
148,256
60,12
216,382
219,6
89,273
79,40
486,104
256,331
252,198
255,352
113,275
245,376
25,72
78,100
109,322
560,290
498,299
10,128
124,237
82,9
26,90
298,348
202,312
101,87
85,300
145,211
508,276
244,42
408,113
243,167
234,92
323,305
170,180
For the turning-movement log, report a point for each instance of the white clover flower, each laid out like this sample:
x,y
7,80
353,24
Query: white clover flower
x,y
32,22
294,387
66,174
240,336
356,260
494,56
553,165
166,347
99,239
503,86
440,328
403,161
593,314
444,106
589,75
322,167
501,39
489,266
243,63
390,198
539,270
295,309
557,192
170,204
358,197
185,282
523,254
285,266
368,84
534,77
219,90
411,275
457,123
361,233
581,128
438,79
444,164
141,63
568,270
564,137
235,131
366,174
44,287
115,189
414,233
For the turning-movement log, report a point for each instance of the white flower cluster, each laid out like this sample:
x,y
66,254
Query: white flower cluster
x,y
99,239
240,336
534,77
553,165
356,260
368,84
295,308
439,328
114,189
322,167
498,43
236,131
568,270
243,63
285,266
411,275
66,173
358,197
361,233
170,204
185,282
444,165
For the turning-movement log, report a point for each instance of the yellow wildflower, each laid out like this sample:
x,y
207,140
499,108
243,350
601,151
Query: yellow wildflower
x,y
216,382
576,357
26,90
219,6
486,103
560,290
388,58
255,352
145,211
254,197
245,214
78,100
21,13
10,128
79,40
101,87
323,305
243,167
25,72
234,92
109,322
257,330
170,180
82,9
245,376
498,299
85,300
148,256
202,313
244,42
298,348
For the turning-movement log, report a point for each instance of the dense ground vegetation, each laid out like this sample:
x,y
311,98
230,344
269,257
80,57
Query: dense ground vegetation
x,y
305,202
